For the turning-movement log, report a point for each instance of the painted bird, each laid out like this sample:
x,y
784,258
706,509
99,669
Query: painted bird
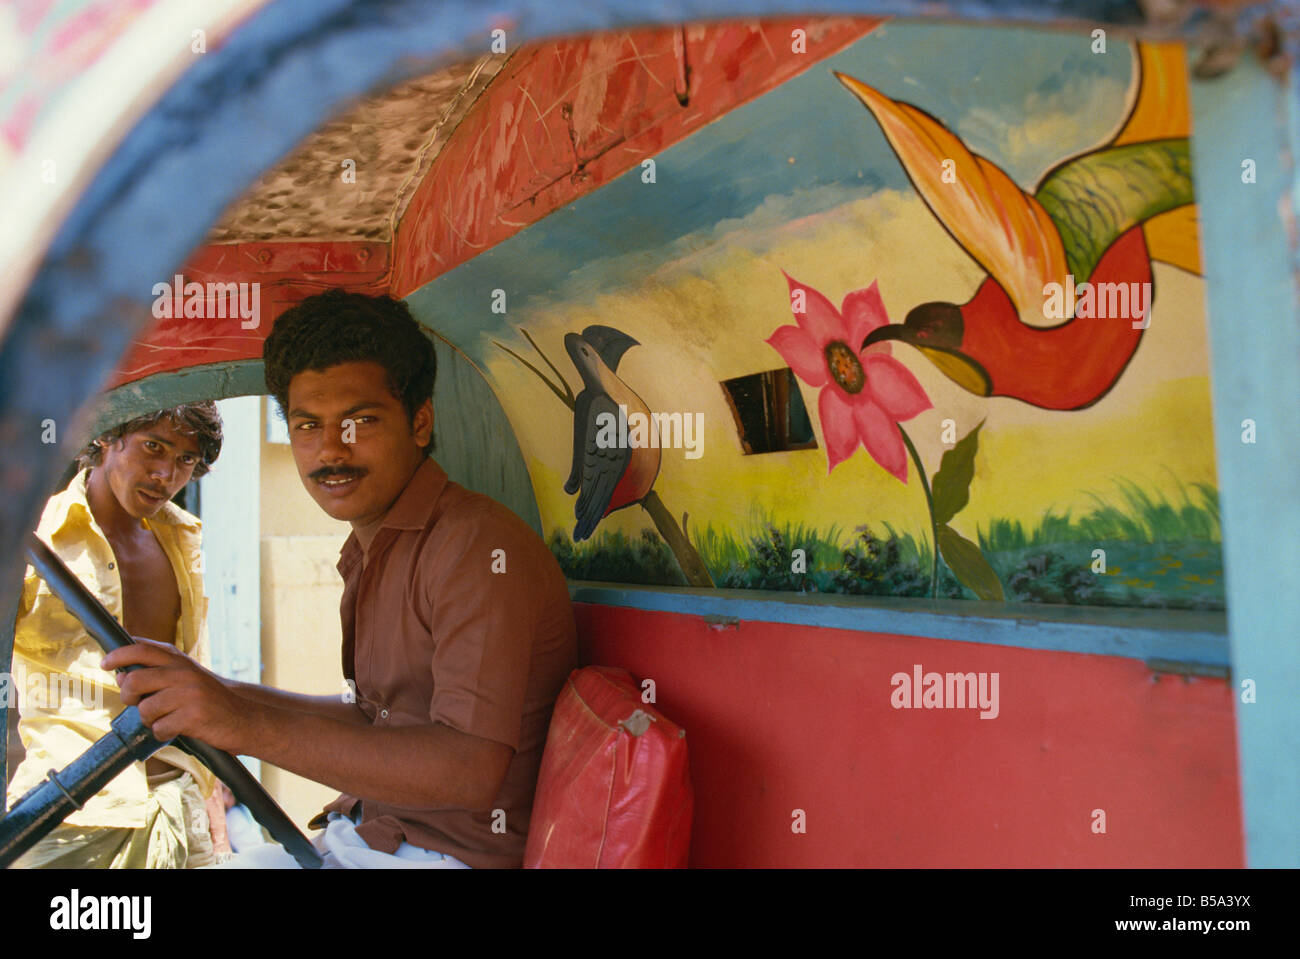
x,y
610,476
1102,217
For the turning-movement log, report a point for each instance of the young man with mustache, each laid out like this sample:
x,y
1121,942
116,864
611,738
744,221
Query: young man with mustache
x,y
458,632
117,530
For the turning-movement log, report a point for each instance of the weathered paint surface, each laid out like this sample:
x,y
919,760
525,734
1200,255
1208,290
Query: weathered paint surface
x,y
783,717
285,273
564,118
561,120
1197,640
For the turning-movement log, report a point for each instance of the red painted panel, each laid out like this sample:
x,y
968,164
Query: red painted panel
x,y
285,272
790,717
565,117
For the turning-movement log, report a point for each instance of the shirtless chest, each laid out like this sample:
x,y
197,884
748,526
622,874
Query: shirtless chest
x,y
151,601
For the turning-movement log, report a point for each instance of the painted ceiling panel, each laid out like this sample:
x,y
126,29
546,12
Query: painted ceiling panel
x,y
566,117
469,151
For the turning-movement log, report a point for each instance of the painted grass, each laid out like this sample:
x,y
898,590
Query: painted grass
x,y
1141,518
1157,553
614,558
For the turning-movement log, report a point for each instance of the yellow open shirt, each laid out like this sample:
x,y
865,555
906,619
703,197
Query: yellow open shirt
x,y
52,651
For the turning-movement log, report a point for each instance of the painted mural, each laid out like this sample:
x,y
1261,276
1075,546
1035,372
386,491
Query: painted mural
x,y
925,320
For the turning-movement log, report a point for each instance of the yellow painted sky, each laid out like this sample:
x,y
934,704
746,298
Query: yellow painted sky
x,y
704,318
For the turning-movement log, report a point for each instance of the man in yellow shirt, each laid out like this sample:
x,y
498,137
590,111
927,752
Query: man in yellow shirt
x,y
116,529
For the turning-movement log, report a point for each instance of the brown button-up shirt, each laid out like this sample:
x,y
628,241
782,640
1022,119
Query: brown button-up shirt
x,y
458,615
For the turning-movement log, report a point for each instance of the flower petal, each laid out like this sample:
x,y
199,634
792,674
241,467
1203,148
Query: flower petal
x,y
892,385
880,436
819,317
801,354
838,426
863,311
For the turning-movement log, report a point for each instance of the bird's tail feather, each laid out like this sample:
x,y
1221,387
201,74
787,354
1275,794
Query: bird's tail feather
x,y
1159,96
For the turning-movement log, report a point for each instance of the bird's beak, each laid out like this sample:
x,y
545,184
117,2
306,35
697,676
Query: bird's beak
x,y
954,364
893,331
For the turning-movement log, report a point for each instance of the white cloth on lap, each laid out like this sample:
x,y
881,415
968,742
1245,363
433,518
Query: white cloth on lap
x,y
242,830
342,848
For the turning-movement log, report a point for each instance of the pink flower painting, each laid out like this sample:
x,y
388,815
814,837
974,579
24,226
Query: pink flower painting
x,y
864,393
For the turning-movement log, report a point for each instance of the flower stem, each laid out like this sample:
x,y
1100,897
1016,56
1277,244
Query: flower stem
x,y
929,503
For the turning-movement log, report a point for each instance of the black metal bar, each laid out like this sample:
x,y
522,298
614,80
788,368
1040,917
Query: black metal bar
x,y
40,811
110,635
259,802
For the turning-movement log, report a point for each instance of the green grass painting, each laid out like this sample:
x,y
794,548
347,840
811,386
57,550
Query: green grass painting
x,y
1158,554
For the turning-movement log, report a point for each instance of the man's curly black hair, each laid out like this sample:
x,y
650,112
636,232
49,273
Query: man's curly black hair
x,y
200,420
340,327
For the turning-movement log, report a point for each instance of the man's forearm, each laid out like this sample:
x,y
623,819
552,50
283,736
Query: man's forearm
x,y
332,707
418,766
411,766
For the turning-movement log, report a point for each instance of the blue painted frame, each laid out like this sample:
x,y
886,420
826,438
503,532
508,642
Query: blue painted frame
x,y
1197,641
296,61
1254,350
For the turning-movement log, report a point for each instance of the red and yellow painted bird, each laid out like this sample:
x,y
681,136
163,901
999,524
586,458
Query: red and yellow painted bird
x,y
1097,219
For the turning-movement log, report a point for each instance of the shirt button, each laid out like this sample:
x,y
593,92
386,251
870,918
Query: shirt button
x,y
383,714
112,565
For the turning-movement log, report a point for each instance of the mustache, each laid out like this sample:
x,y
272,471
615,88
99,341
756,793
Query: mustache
x,y
340,472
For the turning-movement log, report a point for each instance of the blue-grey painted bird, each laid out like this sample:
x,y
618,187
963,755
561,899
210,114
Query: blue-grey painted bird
x,y
605,476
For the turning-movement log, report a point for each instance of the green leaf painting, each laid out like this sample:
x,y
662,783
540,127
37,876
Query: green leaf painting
x,y
969,565
952,482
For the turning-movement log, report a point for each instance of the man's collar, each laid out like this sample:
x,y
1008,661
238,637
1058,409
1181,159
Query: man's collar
x,y
173,515
61,505
410,511
414,505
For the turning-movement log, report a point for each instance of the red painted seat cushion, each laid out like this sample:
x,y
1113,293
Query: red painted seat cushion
x,y
615,787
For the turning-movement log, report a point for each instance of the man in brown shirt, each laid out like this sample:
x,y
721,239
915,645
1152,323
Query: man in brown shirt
x,y
457,628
